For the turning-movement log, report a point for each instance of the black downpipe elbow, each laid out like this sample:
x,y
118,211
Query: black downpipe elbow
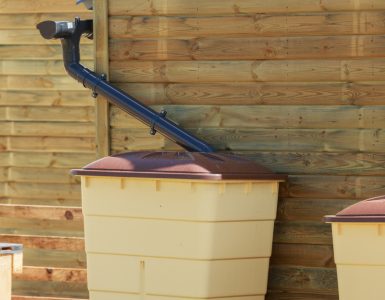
x,y
70,34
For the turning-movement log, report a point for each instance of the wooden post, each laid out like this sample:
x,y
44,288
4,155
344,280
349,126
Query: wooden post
x,y
11,261
101,66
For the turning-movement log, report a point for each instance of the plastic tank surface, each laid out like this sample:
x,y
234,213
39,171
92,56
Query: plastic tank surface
x,y
359,249
11,261
178,225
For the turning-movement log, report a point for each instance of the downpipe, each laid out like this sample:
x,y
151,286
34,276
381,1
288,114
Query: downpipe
x,y
70,34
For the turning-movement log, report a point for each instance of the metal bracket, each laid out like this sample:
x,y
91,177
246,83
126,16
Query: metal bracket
x,y
162,114
94,93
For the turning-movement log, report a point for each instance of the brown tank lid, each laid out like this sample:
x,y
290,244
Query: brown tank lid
x,y
183,165
369,210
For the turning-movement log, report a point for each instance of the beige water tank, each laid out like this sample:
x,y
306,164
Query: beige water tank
x,y
178,225
359,250
11,261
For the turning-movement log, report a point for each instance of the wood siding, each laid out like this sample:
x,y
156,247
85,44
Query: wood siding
x,y
46,128
298,86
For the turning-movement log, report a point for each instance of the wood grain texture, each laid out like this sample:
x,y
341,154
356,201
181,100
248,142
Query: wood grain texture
x,y
54,258
319,256
26,6
49,160
254,24
302,209
29,20
45,242
52,274
64,129
43,201
297,163
41,212
250,139
102,67
43,190
287,295
232,7
25,226
36,67
42,109
49,144
304,279
40,175
302,232
333,187
36,52
28,36
45,98
251,116
248,71
30,82
50,288
297,86
217,48
58,114
16,297
256,93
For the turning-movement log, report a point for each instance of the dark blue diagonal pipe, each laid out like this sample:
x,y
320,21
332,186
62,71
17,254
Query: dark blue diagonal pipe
x,y
70,34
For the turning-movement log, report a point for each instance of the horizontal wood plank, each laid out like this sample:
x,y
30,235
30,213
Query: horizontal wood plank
x,y
45,201
319,256
247,139
303,280
257,93
54,258
31,82
121,140
49,144
260,24
41,212
296,163
50,289
36,52
248,71
287,295
29,20
45,242
252,116
46,98
28,37
25,226
44,6
333,187
52,274
49,160
43,190
54,114
52,160
17,297
302,209
232,7
302,232
217,48
41,175
38,67
64,129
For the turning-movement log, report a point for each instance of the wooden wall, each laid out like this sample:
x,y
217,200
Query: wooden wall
x,y
297,85
46,128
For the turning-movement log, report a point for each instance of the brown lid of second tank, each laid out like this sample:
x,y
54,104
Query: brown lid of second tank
x,y
369,210
183,165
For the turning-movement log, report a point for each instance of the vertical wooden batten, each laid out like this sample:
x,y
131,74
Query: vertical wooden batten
x,y
101,66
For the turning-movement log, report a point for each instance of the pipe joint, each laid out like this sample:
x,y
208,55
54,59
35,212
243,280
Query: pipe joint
x,y
70,34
